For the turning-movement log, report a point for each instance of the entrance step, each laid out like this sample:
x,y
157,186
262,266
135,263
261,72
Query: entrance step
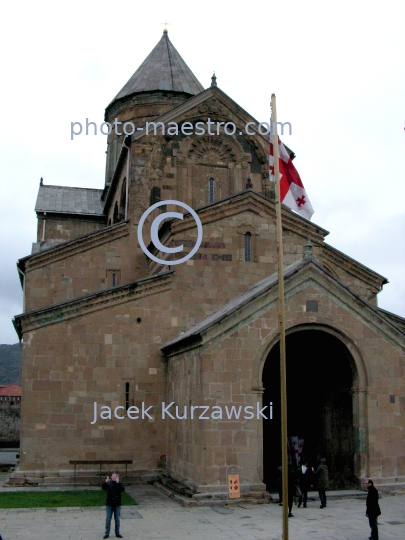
x,y
188,496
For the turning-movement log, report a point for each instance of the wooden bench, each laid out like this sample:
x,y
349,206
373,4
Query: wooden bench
x,y
100,462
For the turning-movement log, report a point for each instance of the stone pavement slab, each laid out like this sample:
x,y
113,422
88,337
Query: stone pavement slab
x,y
160,518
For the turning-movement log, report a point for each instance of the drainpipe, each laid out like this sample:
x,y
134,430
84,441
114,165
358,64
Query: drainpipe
x,y
43,228
23,278
127,186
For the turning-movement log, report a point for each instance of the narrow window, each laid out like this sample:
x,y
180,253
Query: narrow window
x,y
248,246
112,155
115,215
113,280
211,189
126,396
123,199
154,195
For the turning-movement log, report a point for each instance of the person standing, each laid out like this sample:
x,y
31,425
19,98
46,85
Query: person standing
x,y
322,478
372,509
114,489
304,483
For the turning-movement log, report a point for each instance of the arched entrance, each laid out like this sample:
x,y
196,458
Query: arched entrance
x,y
321,374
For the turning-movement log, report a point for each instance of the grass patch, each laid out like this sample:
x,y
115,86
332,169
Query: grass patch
x,y
53,499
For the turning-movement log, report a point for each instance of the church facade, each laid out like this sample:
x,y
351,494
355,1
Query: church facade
x,y
175,366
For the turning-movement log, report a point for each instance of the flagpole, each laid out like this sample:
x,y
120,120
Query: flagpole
x,y
281,317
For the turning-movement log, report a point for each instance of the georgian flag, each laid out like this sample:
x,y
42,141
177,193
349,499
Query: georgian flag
x,y
292,191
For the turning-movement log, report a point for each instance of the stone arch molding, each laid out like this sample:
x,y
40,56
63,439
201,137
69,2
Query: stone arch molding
x,y
206,148
359,389
359,376
247,226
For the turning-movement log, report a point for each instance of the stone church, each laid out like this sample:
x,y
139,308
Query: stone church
x,y
122,355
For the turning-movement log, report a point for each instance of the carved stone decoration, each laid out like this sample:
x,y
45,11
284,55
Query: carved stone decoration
x,y
156,174
213,106
180,160
212,150
247,226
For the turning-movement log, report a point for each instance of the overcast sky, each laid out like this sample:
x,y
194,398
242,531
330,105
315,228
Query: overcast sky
x,y
337,69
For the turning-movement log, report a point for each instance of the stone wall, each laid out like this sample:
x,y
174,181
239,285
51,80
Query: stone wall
x,y
60,228
202,449
69,366
76,268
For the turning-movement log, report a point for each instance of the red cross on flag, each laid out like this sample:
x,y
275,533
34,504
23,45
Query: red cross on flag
x,y
292,191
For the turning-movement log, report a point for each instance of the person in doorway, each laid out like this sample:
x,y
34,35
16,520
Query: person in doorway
x,y
372,509
304,477
114,489
322,481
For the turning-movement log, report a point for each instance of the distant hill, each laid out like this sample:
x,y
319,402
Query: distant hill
x,y
10,364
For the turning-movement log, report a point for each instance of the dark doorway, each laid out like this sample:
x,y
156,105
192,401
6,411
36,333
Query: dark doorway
x,y
320,373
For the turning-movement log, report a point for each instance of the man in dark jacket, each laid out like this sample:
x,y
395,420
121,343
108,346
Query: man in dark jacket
x,y
372,509
114,489
304,475
322,481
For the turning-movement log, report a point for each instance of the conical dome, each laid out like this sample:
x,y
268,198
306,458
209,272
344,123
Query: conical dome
x,y
165,70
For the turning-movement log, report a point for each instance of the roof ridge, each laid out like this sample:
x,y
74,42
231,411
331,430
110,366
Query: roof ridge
x,y
165,34
69,187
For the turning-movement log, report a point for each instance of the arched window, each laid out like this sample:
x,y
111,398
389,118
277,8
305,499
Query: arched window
x,y
126,396
211,190
248,246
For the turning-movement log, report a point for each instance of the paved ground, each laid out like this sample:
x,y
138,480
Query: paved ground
x,y
159,518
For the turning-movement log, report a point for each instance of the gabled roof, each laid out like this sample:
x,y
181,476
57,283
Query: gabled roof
x,y
91,302
69,200
236,303
223,317
395,319
164,69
